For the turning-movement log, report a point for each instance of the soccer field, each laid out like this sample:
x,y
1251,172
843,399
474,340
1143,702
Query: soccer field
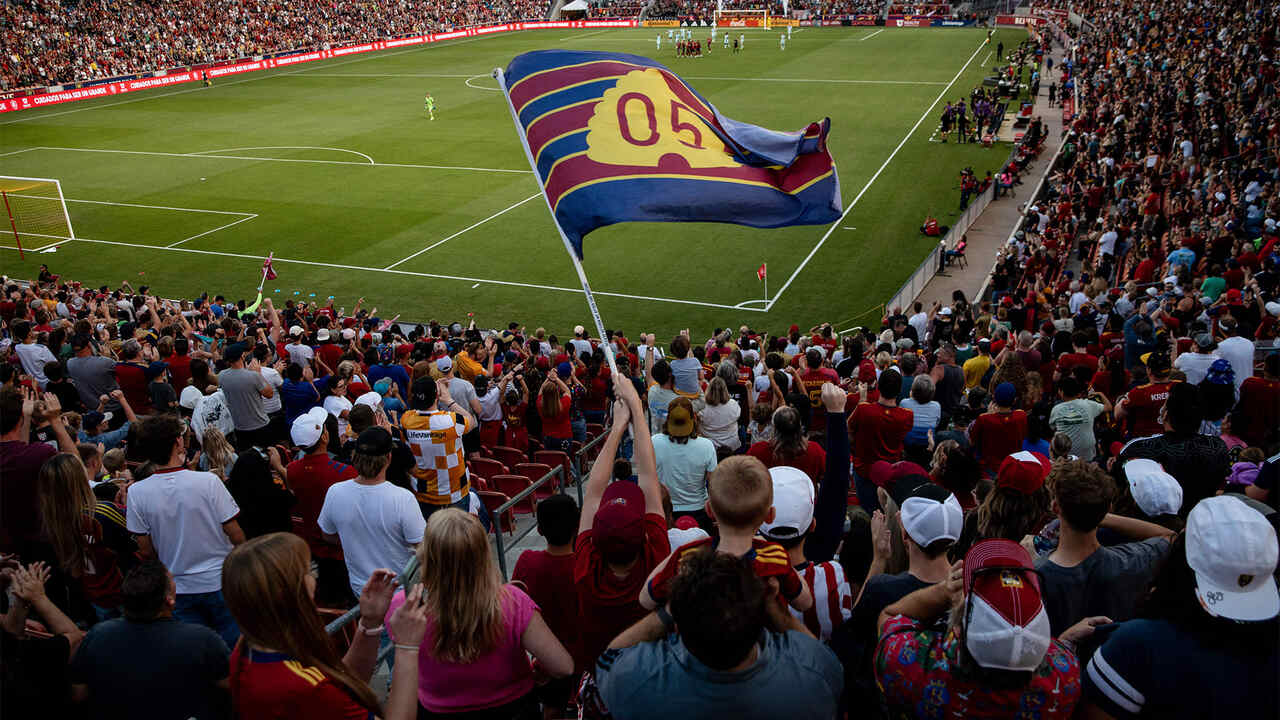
x,y
336,168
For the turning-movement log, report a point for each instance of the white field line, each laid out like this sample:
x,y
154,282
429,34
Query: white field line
x,y
985,59
488,281
467,82
892,155
463,230
868,37
18,152
284,147
687,77
149,207
258,75
209,232
289,160
567,38
385,75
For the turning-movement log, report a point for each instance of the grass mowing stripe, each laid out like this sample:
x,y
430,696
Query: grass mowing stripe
x,y
866,187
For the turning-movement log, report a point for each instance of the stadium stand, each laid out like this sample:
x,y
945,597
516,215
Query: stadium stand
x,y
1097,438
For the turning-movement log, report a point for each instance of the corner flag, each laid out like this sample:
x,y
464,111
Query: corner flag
x,y
763,271
268,273
617,138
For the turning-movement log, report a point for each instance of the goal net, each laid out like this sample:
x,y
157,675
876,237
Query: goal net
x,y
743,17
36,211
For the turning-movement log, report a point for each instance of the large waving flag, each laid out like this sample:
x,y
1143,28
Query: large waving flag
x,y
617,138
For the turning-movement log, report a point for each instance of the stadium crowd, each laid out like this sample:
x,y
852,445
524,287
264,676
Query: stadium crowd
x,y
1059,499
48,42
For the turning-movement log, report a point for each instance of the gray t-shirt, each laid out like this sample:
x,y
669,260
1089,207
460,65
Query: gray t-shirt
x,y
241,390
685,370
1109,582
94,377
1074,418
795,677
463,392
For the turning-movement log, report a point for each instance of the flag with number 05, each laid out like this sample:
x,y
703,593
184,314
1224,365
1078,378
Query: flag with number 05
x,y
617,138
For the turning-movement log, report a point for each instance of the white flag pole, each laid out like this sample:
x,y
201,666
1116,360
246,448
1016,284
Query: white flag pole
x,y
766,283
271,255
568,246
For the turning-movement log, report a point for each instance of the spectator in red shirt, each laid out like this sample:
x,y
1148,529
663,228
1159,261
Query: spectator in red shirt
x,y
1000,431
789,446
813,376
310,477
1259,406
1141,405
876,432
1079,355
622,535
548,574
131,374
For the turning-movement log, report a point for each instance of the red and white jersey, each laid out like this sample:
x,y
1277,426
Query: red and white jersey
x,y
832,598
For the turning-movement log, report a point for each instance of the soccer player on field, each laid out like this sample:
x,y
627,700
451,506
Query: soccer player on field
x,y
782,42
726,41
429,104
742,41
659,42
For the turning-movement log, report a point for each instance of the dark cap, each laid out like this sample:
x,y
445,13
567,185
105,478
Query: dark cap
x,y
618,527
422,393
155,369
374,441
235,352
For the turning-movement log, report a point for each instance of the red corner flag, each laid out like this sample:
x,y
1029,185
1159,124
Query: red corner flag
x,y
267,272
763,272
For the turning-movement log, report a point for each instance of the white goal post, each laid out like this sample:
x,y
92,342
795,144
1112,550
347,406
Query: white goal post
x,y
742,17
35,208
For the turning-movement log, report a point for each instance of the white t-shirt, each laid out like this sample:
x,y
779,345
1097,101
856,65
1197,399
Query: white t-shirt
x,y
33,357
335,405
720,424
1194,365
299,353
1239,352
211,410
183,511
490,405
378,525
272,404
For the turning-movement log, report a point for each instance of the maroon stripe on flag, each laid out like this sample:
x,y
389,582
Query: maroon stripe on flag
x,y
557,123
536,85
581,169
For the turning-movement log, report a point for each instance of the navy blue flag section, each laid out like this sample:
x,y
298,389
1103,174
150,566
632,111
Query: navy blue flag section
x,y
616,138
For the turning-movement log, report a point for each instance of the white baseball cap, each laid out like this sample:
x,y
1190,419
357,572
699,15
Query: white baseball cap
x,y
295,331
792,504
1273,307
1233,551
578,330
308,427
1155,491
190,396
322,334
371,398
931,514
1006,622
348,334
945,311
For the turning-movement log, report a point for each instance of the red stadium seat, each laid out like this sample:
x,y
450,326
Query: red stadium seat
x,y
554,458
493,501
486,468
535,471
509,456
511,485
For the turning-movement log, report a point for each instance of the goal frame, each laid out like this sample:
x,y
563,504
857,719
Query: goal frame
x,y
762,13
13,225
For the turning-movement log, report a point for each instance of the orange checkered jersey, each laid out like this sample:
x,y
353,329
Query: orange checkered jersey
x,y
768,560
436,441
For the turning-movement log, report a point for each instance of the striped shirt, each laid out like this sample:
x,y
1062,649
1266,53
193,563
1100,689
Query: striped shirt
x,y
832,598
435,438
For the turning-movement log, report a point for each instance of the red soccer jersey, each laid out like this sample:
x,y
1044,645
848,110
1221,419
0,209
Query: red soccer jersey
x,y
876,432
813,463
1260,406
1144,406
610,604
997,435
273,686
133,382
813,380
768,560
311,477
517,431
549,579
1071,360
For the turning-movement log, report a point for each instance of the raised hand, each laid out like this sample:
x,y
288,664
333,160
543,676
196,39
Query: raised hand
x,y
409,622
375,597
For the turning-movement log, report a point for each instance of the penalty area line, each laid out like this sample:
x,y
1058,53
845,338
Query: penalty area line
x,y
892,155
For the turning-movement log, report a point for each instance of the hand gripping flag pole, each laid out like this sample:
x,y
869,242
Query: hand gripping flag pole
x,y
568,246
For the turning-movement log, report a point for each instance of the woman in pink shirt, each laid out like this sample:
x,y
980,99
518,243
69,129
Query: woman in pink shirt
x,y
473,655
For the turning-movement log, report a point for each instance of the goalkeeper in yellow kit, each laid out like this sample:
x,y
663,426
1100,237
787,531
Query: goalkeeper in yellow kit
x,y
429,104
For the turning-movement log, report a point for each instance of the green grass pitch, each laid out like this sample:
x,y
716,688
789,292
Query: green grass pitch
x,y
200,183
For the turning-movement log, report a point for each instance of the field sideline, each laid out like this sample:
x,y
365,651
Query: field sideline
x,y
335,167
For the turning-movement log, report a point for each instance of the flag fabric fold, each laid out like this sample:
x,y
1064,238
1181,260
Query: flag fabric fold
x,y
617,138
762,272
268,273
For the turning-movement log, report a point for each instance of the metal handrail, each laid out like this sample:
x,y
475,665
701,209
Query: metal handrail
x,y
342,620
506,506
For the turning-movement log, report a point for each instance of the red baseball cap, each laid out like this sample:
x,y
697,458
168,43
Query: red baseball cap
x,y
1023,471
1233,296
1006,624
618,527
886,475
